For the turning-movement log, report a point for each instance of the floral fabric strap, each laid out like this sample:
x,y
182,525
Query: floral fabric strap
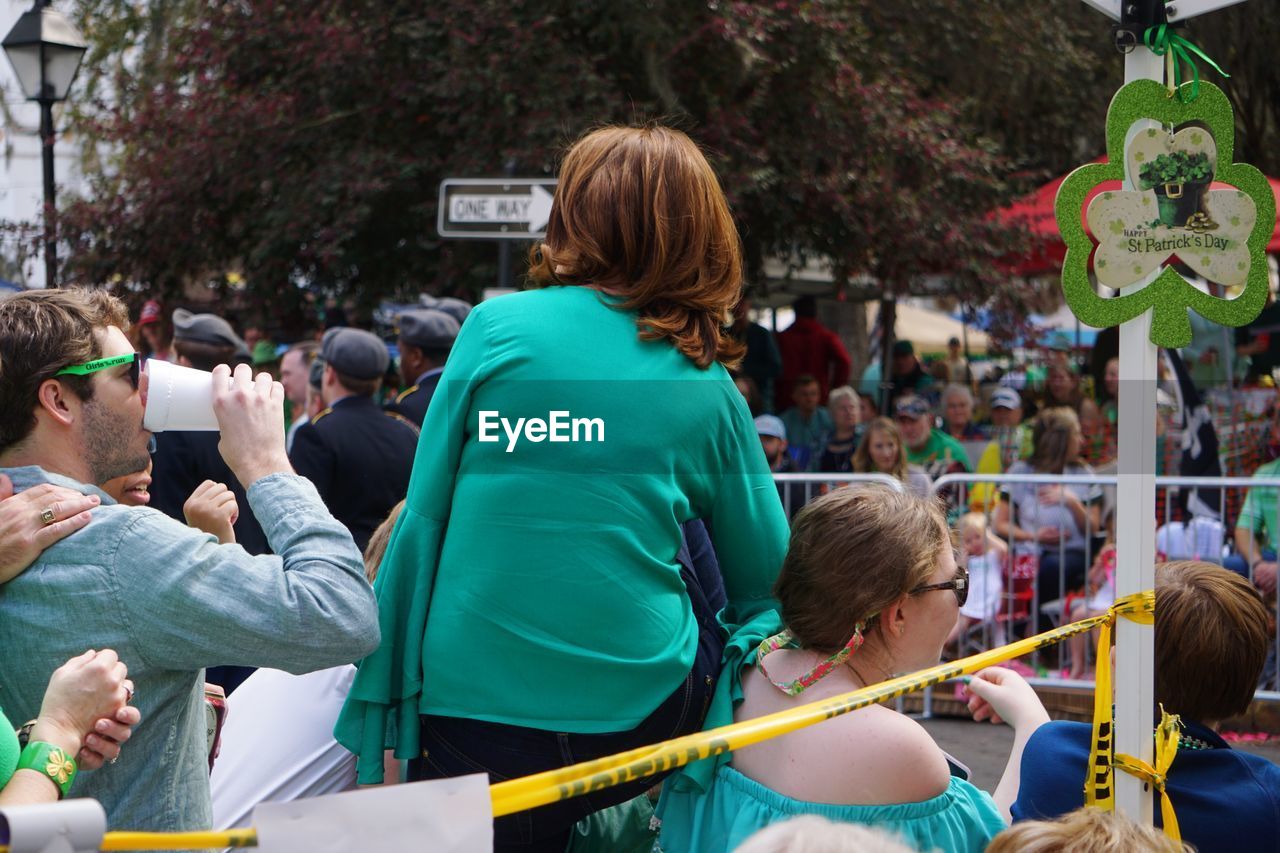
x,y
785,640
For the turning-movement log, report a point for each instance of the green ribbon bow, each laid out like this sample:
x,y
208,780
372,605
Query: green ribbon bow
x,y
1164,40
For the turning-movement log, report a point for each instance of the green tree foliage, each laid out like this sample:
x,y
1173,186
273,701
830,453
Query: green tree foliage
x,y
305,142
1242,40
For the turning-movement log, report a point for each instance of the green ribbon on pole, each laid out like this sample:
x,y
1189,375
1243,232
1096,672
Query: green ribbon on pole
x,y
1163,40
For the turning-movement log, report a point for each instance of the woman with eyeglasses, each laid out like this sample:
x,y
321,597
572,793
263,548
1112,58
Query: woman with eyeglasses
x,y
869,589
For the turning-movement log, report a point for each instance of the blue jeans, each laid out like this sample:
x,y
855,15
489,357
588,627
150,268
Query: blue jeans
x,y
1055,567
453,746
1235,561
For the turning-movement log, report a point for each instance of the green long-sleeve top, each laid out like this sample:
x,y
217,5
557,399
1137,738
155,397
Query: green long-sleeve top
x,y
533,581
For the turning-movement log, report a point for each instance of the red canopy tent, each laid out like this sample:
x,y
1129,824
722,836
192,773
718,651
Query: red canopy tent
x,y
1035,212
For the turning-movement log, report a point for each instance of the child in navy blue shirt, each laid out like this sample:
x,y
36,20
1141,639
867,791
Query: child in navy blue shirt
x,y
1211,642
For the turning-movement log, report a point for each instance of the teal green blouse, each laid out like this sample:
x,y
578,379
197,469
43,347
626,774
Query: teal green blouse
x,y
961,818
531,579
709,807
8,750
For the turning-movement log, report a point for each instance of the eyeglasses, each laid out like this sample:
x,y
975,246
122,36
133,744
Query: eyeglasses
x,y
959,584
131,359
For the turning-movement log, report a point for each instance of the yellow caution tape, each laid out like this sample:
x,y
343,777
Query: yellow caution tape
x,y
179,840
565,783
1099,786
175,840
1158,776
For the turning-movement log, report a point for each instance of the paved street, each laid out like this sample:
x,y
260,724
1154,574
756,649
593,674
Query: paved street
x,y
984,747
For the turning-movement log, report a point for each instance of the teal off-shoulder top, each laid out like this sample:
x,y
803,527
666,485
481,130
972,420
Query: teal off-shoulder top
x,y
710,807
961,818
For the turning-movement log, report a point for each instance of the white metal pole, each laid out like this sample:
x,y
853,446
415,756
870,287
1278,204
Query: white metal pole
x,y
1135,521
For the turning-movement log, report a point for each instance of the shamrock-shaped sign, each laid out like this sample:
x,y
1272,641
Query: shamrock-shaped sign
x,y
1189,202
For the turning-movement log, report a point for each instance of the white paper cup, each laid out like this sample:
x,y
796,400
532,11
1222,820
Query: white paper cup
x,y
178,398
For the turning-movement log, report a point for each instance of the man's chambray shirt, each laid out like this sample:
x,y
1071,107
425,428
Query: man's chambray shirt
x,y
171,601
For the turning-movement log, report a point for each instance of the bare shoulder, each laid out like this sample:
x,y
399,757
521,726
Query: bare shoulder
x,y
873,756
896,759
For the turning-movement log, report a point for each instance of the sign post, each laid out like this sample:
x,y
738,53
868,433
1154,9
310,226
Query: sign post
x,y
1135,506
494,208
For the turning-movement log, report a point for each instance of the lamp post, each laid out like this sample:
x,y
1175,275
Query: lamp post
x,y
45,50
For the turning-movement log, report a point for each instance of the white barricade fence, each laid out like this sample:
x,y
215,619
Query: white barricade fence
x,y
796,490
1197,537
1022,606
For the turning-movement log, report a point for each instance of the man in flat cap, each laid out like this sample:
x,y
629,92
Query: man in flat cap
x,y
184,460
426,336
455,308
357,455
206,339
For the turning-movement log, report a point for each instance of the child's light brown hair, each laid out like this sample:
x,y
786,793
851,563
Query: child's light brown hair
x,y
1211,640
376,548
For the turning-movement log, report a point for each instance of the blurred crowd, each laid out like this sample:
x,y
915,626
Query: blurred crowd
x,y
1046,551
583,598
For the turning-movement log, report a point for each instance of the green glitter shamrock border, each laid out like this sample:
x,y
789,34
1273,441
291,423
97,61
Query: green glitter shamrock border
x,y
1170,295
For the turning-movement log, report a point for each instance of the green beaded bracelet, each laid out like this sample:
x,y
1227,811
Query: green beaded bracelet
x,y
51,761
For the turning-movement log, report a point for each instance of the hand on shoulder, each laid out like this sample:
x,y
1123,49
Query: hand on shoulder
x,y
32,520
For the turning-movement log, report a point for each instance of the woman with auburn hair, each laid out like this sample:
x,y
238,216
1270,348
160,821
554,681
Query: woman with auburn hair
x,y
534,613
1212,637
882,451
869,589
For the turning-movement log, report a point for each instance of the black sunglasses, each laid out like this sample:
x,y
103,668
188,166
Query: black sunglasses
x,y
959,584
132,359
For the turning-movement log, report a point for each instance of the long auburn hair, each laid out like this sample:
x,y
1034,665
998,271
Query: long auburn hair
x,y
638,213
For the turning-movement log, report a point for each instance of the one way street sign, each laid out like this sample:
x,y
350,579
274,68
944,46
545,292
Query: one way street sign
x,y
495,208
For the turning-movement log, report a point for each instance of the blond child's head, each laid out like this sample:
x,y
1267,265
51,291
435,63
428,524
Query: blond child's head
x,y
972,527
1086,830
814,834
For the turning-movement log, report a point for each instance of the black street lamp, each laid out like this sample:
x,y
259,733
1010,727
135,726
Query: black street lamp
x,y
45,50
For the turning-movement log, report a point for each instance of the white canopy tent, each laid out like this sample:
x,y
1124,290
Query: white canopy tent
x,y
928,329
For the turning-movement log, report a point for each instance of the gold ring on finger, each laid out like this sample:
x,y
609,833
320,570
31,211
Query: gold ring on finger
x,y
46,515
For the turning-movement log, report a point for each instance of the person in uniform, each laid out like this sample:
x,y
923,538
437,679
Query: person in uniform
x,y
358,456
455,308
426,336
184,460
